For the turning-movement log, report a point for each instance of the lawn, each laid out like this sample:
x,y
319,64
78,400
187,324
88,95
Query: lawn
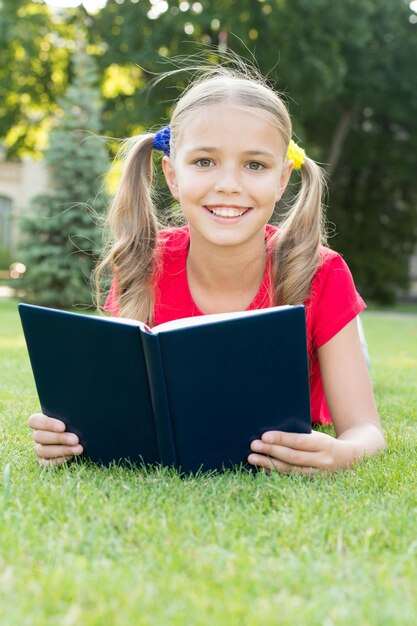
x,y
93,546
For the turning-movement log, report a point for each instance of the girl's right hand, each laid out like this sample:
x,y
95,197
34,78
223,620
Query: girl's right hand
x,y
54,446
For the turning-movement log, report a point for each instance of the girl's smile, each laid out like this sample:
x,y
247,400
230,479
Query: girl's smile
x,y
227,214
227,211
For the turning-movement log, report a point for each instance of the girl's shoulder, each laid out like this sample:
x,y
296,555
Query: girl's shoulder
x,y
332,273
326,254
333,300
333,282
329,261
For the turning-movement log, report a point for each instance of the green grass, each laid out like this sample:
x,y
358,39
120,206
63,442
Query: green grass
x,y
398,307
92,546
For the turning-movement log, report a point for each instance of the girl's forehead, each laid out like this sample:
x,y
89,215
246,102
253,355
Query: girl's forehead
x,y
226,123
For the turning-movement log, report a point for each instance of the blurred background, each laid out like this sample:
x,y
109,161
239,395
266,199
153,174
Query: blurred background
x,y
75,77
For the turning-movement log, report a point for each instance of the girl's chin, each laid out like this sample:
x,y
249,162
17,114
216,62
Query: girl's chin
x,y
220,235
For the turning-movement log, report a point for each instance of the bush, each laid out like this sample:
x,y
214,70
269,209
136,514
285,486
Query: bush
x,y
5,259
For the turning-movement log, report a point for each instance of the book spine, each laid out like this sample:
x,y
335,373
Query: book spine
x,y
159,398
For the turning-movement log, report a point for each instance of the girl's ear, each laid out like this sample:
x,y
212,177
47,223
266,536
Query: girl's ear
x,y
170,176
284,179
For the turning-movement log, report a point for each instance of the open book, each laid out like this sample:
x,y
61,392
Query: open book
x,y
190,394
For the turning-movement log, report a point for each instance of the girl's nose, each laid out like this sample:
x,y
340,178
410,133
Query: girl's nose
x,y
228,181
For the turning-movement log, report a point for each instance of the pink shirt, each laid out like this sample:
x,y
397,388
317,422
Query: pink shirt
x,y
333,302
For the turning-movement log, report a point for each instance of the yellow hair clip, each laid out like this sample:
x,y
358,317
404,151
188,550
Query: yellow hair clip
x,y
296,155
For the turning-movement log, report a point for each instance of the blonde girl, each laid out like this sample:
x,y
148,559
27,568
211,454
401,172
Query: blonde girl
x,y
228,158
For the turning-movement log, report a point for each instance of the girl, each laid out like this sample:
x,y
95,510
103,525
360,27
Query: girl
x,y
228,160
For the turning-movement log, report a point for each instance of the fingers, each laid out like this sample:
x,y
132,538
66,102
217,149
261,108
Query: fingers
x,y
299,441
49,438
38,421
54,462
294,452
54,446
271,464
286,456
51,451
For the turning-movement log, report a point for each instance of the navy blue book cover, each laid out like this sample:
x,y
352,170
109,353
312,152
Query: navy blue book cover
x,y
90,373
192,397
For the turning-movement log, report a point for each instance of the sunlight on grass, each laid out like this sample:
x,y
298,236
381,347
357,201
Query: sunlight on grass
x,y
12,342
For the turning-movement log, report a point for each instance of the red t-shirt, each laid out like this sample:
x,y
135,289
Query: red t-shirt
x,y
333,302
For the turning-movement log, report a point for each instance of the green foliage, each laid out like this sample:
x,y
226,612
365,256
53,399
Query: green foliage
x,y
33,73
373,196
5,259
347,70
62,233
92,546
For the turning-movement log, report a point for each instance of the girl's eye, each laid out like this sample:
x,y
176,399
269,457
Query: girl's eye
x,y
204,162
255,166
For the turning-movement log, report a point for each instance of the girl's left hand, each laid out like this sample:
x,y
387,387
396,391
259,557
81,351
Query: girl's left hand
x,y
300,453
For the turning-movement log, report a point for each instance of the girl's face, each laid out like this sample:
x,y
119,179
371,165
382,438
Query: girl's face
x,y
229,171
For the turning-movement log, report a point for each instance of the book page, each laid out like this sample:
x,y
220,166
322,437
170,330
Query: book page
x,y
124,320
199,320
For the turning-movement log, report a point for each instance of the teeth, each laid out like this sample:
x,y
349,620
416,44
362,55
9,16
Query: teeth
x,y
227,212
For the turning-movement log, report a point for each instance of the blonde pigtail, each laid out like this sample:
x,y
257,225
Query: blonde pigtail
x,y
297,243
132,228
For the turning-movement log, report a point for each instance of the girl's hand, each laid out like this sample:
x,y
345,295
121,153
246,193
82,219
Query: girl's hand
x,y
349,396
54,446
301,453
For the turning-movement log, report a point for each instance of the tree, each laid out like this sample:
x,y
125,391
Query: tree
x,y
373,197
33,73
62,236
348,70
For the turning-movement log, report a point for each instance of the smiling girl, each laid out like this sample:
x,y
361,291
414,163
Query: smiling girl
x,y
228,158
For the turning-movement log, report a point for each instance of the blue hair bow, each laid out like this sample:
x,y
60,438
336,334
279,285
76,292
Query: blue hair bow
x,y
162,139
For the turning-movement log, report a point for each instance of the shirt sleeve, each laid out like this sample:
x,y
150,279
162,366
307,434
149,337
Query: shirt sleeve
x,y
334,300
111,305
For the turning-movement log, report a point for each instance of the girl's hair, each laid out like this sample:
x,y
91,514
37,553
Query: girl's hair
x,y
132,217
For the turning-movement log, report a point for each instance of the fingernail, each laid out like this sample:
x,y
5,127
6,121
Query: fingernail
x,y
267,438
76,450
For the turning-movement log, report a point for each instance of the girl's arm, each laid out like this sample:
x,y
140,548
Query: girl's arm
x,y
350,399
54,445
